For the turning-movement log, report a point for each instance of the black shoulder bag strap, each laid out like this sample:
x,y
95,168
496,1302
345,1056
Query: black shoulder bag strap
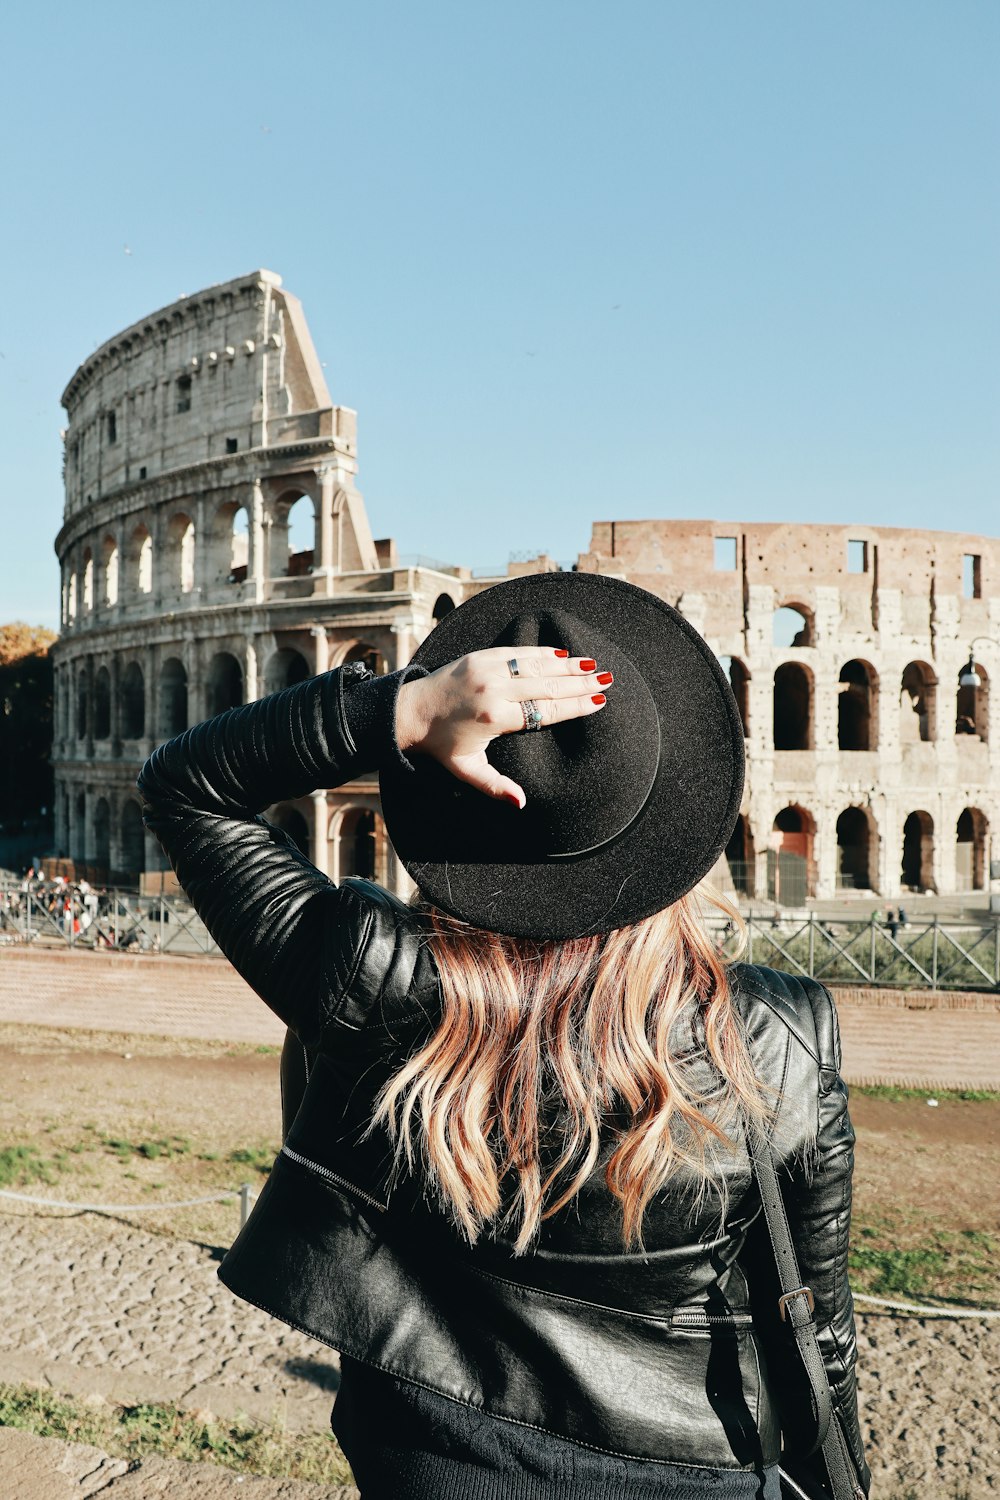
x,y
796,1306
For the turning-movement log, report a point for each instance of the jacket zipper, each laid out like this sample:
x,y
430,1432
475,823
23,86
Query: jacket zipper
x,y
338,1181
697,1317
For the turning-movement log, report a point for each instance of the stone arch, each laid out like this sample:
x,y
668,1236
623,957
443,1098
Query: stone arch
x,y
364,651
739,680
180,551
793,699
285,667
972,706
140,560
443,605
292,821
791,873
741,856
79,838
102,704
229,544
173,698
857,692
223,684
793,624
88,580
357,832
293,534
917,703
109,571
82,705
972,840
133,702
132,846
102,837
917,873
857,850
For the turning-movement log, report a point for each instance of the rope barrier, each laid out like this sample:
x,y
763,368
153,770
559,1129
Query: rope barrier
x,y
929,1312
120,1208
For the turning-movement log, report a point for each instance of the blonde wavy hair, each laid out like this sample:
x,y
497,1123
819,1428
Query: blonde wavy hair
x,y
583,1026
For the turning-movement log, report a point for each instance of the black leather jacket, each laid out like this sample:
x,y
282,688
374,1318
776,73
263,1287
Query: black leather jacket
x,y
676,1354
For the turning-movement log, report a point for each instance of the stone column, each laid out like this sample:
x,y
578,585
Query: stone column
x,y
403,630
320,820
325,561
152,688
202,550
90,707
251,687
334,821
322,649
257,547
116,705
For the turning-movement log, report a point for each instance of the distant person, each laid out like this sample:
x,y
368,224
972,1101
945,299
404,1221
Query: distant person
x,y
518,1193
892,922
903,919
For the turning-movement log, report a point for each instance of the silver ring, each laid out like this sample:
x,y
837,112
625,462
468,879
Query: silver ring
x,y
513,668
532,714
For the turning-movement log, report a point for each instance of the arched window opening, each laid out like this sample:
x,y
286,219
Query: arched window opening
x,y
110,571
739,681
133,840
301,537
855,702
792,626
357,844
102,704
181,542
284,668
370,655
140,561
88,580
917,872
972,706
790,864
80,828
292,822
443,605
81,706
917,704
173,698
71,598
133,707
854,851
740,856
792,708
239,546
224,684
972,835
102,837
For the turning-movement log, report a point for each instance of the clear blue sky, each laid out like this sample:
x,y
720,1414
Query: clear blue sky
x,y
568,260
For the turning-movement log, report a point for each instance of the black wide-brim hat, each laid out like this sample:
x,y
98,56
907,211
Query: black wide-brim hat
x,y
627,809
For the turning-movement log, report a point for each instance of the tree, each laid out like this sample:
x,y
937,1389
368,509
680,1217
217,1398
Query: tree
x,y
26,685
18,640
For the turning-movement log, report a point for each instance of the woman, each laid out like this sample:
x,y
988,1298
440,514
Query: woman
x,y
515,1190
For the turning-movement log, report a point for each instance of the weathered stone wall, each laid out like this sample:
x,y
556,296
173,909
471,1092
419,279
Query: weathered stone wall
x,y
864,753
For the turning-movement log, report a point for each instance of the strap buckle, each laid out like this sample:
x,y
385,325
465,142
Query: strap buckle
x,y
787,1297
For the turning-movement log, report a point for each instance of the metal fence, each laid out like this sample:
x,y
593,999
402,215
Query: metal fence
x,y
71,917
935,952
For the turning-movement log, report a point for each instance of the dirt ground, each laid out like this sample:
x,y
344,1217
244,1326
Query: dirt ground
x,y
119,1119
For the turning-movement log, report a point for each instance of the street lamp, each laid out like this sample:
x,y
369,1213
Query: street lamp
x,y
969,677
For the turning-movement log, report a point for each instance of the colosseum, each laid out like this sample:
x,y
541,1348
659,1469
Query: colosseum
x,y
215,547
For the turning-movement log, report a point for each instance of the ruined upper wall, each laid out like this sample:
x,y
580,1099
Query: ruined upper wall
x,y
677,558
228,369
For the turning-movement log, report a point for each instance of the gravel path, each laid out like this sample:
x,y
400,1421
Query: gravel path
x,y
93,1307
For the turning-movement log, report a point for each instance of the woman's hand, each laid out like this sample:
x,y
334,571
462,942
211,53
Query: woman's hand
x,y
455,712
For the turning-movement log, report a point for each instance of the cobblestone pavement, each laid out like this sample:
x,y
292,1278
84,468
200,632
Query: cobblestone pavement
x,y
943,1046
94,1307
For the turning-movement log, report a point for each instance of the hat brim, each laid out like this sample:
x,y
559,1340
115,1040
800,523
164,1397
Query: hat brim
x,y
680,830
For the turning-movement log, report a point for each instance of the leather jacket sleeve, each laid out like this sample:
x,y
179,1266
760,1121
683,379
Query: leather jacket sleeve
x,y
817,1194
274,915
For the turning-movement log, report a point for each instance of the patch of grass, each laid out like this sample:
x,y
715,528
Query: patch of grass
x,y
913,1261
136,1432
261,1158
22,1165
895,1094
165,1147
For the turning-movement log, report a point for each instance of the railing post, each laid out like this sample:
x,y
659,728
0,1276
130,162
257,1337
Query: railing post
x,y
246,1202
161,921
996,951
750,938
871,965
812,944
934,954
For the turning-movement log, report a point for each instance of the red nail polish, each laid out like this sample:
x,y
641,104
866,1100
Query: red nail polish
x,y
605,678
561,653
588,665
599,699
